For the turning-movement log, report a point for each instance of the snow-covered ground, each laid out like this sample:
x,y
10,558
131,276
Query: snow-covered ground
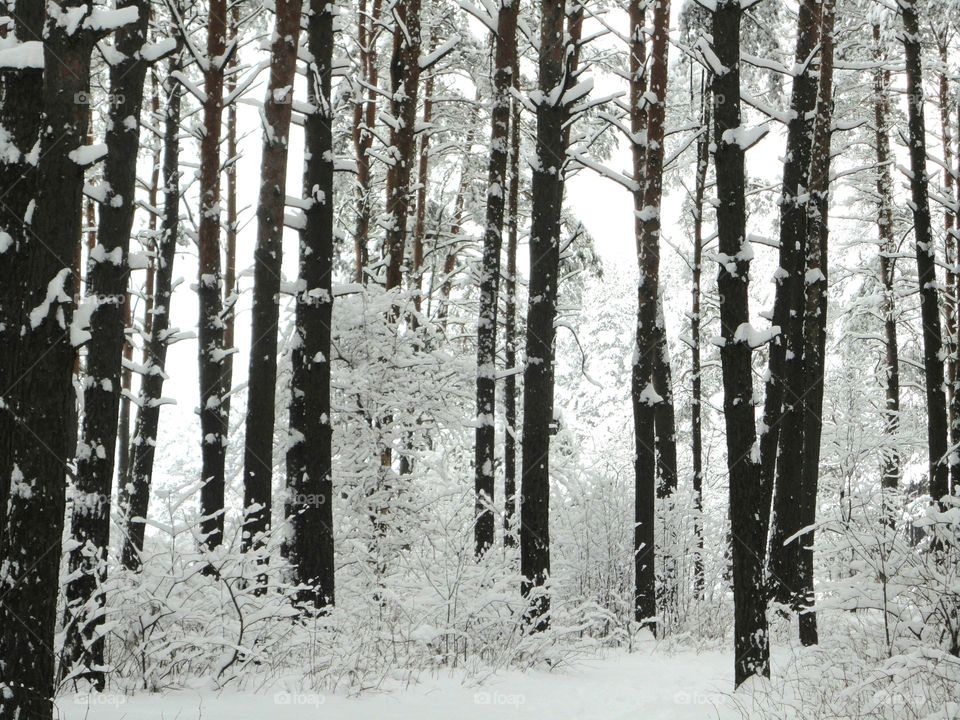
x,y
646,685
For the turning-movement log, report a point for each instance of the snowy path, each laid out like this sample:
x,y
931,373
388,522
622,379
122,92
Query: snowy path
x,y
643,685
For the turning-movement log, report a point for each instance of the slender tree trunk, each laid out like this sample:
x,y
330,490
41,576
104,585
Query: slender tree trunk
x,y
782,441
510,334
134,491
214,384
665,418
423,178
42,400
404,87
20,115
505,54
310,457
815,321
749,498
108,275
696,405
230,259
950,290
262,378
364,121
926,259
547,195
888,249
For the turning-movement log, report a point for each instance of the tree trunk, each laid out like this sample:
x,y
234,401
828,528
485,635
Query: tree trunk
x,y
310,457
696,405
20,115
651,337
505,54
815,322
547,195
134,491
888,249
510,334
404,86
782,441
108,274
749,496
268,255
212,351
423,178
364,120
232,230
926,259
42,400
950,291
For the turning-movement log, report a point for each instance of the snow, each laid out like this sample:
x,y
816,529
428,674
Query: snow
x,y
649,684
754,337
6,242
88,154
22,56
745,137
55,293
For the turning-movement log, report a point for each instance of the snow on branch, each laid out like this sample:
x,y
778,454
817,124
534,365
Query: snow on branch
x,y
428,61
22,56
618,177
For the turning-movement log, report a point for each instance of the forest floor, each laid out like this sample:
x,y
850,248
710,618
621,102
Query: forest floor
x,y
651,683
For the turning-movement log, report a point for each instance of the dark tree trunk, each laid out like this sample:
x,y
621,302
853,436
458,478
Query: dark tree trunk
x,y
310,458
42,400
815,322
665,417
20,114
108,273
214,384
510,335
268,255
696,405
926,259
232,229
888,249
504,61
547,196
749,495
364,121
782,442
644,433
404,87
134,491
649,364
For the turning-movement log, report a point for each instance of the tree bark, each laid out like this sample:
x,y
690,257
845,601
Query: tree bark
x,y
42,400
485,454
20,115
926,259
547,193
696,404
212,351
364,121
268,256
108,274
232,229
749,496
815,322
781,444
888,249
404,86
510,332
134,491
310,456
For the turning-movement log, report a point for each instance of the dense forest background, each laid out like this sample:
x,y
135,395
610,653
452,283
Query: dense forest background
x,y
346,341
